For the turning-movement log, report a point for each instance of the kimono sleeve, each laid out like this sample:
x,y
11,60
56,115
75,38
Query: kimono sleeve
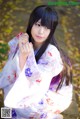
x,y
48,66
13,43
40,74
6,75
9,73
35,78
13,46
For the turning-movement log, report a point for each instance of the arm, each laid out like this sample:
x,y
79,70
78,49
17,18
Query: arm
x,y
11,69
35,78
49,65
7,73
13,44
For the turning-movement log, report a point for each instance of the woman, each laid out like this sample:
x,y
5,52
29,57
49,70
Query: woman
x,y
36,84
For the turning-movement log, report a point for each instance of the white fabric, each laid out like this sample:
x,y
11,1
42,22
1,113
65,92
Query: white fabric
x,y
27,91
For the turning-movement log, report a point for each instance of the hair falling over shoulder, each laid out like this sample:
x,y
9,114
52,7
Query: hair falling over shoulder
x,y
66,74
49,18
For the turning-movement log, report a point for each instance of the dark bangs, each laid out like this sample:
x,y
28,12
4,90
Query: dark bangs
x,y
48,18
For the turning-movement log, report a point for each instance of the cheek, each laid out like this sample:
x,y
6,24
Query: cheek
x,y
47,33
33,31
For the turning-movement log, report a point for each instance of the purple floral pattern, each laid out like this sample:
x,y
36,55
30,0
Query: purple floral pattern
x,y
50,103
41,102
28,72
14,113
44,115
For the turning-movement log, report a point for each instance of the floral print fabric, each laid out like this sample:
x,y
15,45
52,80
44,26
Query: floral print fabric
x,y
27,92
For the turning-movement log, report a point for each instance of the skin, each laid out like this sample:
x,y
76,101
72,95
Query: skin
x,y
39,34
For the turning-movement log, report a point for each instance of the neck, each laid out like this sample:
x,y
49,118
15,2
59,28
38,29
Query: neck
x,y
37,45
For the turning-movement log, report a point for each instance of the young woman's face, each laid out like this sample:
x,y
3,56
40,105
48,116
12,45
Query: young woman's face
x,y
39,33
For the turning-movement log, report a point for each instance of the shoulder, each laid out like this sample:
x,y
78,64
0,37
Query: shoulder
x,y
52,55
52,51
52,60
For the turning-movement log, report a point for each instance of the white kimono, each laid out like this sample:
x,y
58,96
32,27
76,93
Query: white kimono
x,y
28,91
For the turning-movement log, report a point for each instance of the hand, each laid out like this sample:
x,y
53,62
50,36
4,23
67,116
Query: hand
x,y
25,49
24,45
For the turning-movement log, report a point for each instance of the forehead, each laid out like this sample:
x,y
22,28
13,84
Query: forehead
x,y
44,22
39,21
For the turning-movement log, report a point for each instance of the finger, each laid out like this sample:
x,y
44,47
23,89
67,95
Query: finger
x,y
26,47
22,47
24,38
22,43
31,46
25,34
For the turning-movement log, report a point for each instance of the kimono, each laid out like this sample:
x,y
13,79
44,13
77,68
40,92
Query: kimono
x,y
28,92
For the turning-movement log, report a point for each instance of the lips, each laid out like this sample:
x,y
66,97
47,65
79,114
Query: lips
x,y
40,37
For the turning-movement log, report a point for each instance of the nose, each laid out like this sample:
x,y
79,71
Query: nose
x,y
41,30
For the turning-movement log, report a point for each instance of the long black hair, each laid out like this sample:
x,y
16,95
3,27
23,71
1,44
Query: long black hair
x,y
49,18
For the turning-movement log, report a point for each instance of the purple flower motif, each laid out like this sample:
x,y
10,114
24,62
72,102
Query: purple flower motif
x,y
28,72
41,102
14,113
44,115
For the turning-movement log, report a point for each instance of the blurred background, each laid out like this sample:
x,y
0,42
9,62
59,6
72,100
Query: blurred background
x,y
14,15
